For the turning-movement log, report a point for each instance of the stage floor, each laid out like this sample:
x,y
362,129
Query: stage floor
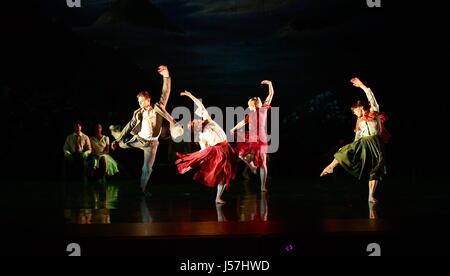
x,y
181,219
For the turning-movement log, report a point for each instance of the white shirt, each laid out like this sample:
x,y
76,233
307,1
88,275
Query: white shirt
x,y
212,135
77,143
148,120
369,128
374,107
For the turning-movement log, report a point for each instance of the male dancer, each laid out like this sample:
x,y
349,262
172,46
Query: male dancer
x,y
144,128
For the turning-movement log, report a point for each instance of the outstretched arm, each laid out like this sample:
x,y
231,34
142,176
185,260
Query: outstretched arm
x,y
166,115
198,103
374,107
239,125
164,71
271,91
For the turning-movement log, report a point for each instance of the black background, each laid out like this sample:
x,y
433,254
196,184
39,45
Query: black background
x,y
59,65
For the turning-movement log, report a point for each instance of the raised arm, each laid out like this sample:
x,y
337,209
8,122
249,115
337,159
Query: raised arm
x,y
197,102
271,91
166,85
374,107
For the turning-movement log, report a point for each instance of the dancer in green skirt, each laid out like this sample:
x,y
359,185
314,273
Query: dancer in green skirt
x,y
365,156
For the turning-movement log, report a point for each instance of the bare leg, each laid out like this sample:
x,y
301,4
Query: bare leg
x,y
220,189
250,164
372,188
373,214
263,207
220,215
263,174
329,169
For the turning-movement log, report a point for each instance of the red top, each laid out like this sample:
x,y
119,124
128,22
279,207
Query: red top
x,y
257,123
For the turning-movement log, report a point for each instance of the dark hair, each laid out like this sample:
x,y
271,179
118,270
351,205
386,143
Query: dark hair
x,y
96,127
191,125
359,104
144,94
78,123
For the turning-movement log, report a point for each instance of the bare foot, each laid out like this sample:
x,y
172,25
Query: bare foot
x,y
326,171
263,189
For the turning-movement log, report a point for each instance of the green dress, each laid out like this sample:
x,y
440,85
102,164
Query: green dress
x,y
365,156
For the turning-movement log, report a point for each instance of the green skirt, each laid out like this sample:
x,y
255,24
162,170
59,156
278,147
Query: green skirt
x,y
363,157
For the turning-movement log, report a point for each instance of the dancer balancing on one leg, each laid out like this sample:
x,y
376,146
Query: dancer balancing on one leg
x,y
144,128
256,142
215,162
366,154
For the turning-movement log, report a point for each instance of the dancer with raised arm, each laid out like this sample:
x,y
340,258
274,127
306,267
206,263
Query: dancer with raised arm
x,y
365,156
144,128
256,142
215,162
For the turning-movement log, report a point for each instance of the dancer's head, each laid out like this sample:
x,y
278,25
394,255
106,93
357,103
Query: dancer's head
x,y
98,129
144,99
254,103
196,125
77,127
360,108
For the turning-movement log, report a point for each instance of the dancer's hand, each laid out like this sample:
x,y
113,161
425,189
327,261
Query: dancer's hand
x,y
114,145
268,82
68,155
186,93
357,82
163,71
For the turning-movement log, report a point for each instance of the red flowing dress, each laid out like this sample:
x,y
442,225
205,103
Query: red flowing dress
x,y
216,164
254,141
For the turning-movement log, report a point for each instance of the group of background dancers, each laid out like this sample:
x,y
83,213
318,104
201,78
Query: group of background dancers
x,y
215,164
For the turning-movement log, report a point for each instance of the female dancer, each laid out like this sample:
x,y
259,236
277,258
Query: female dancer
x,y
104,164
216,162
366,153
256,143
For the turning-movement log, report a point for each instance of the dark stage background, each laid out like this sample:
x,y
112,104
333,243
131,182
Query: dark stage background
x,y
59,65
62,64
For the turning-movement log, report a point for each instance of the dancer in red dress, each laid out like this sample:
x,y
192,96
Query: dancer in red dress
x,y
256,142
215,162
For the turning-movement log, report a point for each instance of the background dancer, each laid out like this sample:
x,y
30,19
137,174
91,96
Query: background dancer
x,y
256,143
